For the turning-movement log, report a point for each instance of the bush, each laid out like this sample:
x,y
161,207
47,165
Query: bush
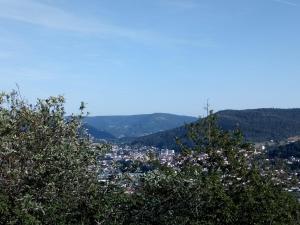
x,y
47,163
223,189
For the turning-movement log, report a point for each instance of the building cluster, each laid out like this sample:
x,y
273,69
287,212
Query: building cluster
x,y
125,164
131,161
285,171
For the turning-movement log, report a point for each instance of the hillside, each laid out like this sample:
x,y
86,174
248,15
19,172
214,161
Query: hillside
x,y
285,151
137,125
256,124
98,134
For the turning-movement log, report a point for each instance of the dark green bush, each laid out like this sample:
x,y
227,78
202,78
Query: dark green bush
x,y
47,164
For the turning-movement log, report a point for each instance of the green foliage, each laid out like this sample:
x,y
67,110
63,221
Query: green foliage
x,y
47,164
222,189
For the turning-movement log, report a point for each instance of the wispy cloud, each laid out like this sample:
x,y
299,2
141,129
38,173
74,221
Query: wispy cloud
x,y
41,14
30,11
183,4
286,2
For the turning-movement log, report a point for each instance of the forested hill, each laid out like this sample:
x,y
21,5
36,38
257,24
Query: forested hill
x,y
136,125
256,124
262,124
98,134
285,151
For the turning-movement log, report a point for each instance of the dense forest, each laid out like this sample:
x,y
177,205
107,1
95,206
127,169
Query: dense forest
x,y
285,151
257,125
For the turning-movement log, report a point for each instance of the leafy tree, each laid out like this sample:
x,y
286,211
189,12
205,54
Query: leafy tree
x,y
214,183
47,164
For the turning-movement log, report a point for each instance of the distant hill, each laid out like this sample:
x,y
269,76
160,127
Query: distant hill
x,y
285,151
137,125
262,124
257,125
97,134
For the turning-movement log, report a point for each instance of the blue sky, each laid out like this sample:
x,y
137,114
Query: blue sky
x,y
144,56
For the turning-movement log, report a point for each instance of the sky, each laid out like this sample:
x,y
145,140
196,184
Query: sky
x,y
145,56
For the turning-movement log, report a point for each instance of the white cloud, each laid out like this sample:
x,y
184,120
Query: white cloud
x,y
286,2
41,14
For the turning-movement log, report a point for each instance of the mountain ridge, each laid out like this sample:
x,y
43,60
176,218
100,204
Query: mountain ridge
x,y
137,125
257,125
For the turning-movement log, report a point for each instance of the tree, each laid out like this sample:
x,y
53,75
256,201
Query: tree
x,y
48,172
214,183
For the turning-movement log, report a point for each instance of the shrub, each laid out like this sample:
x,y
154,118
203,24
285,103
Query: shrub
x,y
47,164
